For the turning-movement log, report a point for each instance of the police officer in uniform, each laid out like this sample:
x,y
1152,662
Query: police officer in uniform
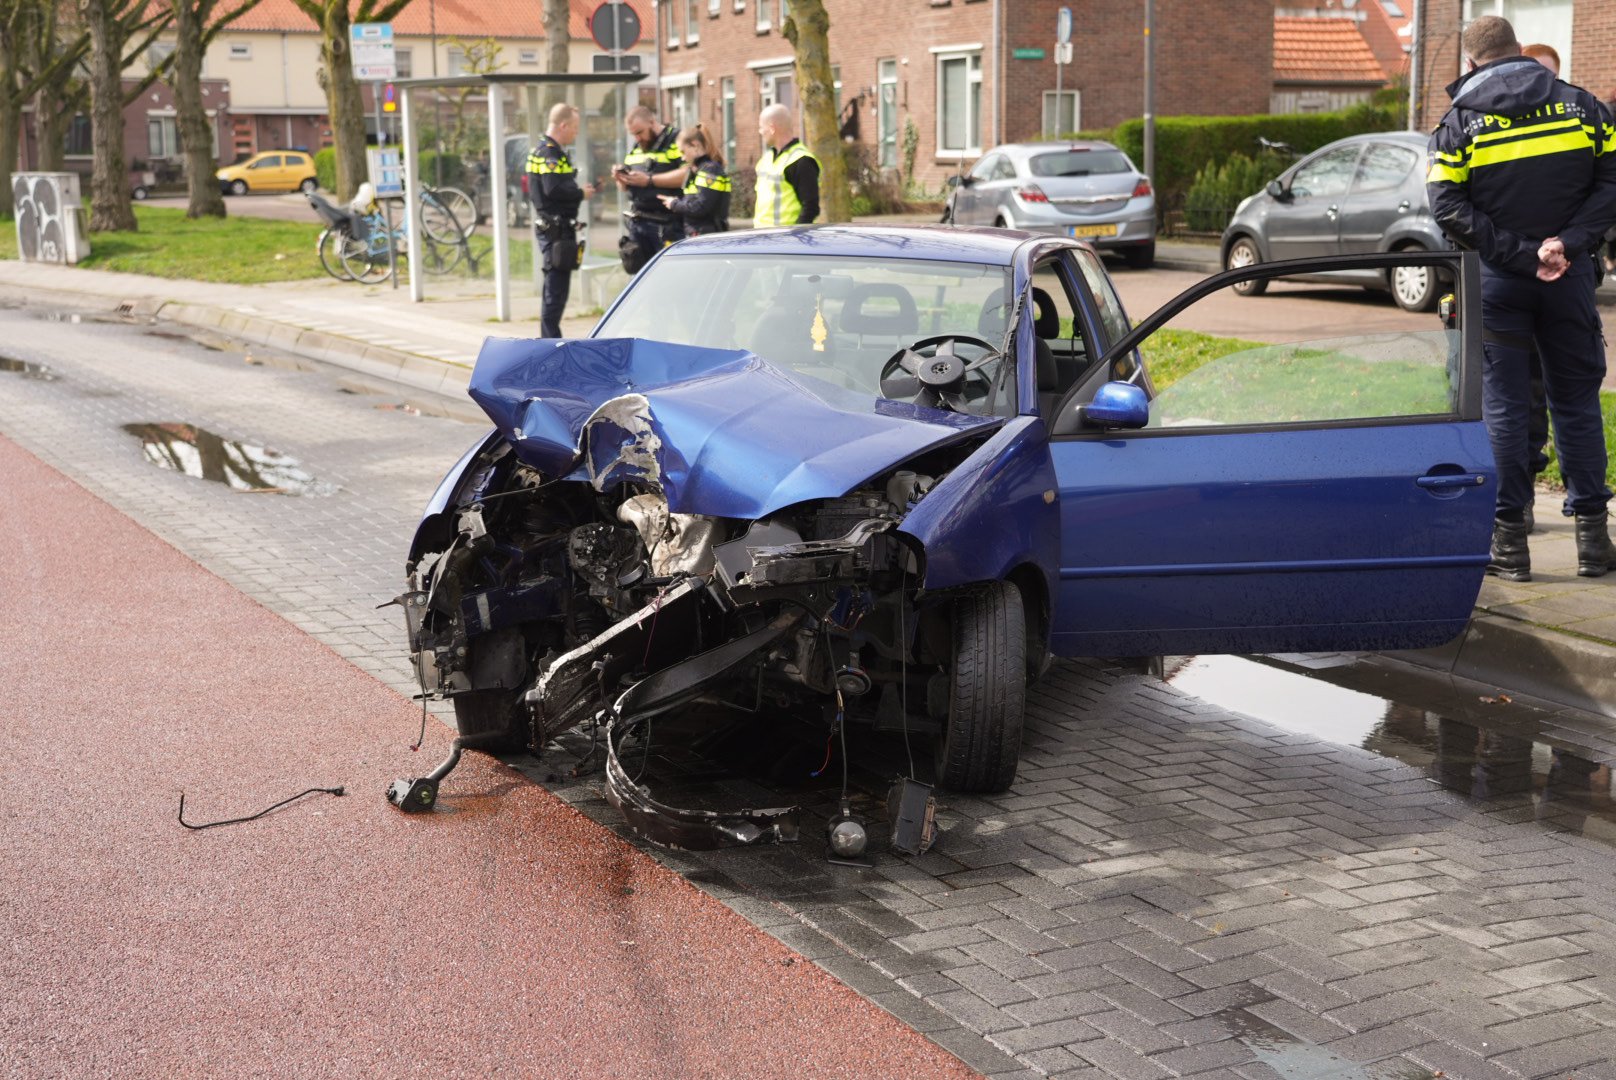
x,y
556,196
652,168
704,206
1523,170
787,174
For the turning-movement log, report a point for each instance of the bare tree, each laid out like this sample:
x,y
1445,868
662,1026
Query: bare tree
x,y
558,35
344,103
196,24
120,31
808,30
31,60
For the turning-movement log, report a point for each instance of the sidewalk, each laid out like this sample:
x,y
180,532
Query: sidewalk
x,y
1553,638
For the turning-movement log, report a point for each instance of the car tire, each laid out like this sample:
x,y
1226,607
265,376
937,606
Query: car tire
x,y
1000,223
309,186
1414,288
140,194
1242,253
1142,257
238,187
980,742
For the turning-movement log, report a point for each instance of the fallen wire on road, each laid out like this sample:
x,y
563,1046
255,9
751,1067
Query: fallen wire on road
x,y
237,821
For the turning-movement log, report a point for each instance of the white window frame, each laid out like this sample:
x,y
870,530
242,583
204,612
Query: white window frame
x,y
454,63
1475,9
404,59
692,22
168,134
1076,98
762,23
785,10
885,67
527,57
973,75
714,8
740,6
670,33
726,113
240,50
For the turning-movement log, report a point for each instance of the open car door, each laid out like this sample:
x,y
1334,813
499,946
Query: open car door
x,y
1301,495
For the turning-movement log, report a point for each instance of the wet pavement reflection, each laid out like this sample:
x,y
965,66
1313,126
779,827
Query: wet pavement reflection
x,y
27,370
1519,760
194,451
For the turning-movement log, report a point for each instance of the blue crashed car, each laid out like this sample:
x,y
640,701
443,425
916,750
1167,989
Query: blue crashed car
x,y
880,475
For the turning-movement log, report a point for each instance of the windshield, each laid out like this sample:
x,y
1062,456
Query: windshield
x,y
1080,163
834,318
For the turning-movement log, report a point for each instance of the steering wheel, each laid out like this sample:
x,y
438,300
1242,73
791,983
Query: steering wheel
x,y
932,373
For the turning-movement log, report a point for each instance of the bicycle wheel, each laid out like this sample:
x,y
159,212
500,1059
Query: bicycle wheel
x,y
438,219
462,206
439,257
364,261
330,251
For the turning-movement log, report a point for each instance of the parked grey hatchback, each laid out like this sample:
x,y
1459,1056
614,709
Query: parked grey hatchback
x,y
1087,189
1361,194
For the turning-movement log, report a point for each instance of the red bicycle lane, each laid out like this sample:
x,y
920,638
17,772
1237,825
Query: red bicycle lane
x,y
502,933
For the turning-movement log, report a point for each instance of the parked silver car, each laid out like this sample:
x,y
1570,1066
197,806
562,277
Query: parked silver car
x,y
1087,189
1360,194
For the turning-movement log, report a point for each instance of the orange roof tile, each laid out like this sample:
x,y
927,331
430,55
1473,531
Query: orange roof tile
x,y
1323,51
454,18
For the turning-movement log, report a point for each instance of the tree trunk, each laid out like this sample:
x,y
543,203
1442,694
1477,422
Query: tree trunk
x,y
344,103
556,54
51,118
110,205
808,30
196,130
10,129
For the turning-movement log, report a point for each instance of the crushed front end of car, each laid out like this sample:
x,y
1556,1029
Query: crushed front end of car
x,y
653,526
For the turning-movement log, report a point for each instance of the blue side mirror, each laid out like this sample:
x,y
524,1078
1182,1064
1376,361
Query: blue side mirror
x,y
1119,404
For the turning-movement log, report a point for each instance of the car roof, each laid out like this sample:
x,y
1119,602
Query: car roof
x,y
1412,138
941,243
1026,150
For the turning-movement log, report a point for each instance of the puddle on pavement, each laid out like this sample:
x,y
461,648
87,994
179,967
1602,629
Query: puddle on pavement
x,y
28,371
194,451
1514,759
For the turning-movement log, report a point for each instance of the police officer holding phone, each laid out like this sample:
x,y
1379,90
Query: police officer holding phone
x,y
556,195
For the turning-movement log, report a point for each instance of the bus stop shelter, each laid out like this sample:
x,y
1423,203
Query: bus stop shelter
x,y
517,105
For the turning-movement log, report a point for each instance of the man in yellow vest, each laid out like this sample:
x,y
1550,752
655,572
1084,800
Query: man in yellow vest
x,y
787,174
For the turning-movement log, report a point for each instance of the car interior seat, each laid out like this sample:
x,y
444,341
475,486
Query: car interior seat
x,y
868,312
1046,328
785,333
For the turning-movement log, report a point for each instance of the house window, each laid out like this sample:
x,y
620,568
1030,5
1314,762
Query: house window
x,y
785,11
959,97
670,32
740,6
714,7
777,86
528,57
242,51
78,137
159,51
692,21
886,108
727,90
162,137
682,107
457,61
1061,113
404,62
762,16
1544,22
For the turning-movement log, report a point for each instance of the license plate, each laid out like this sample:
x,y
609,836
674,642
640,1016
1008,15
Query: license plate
x,y
1092,230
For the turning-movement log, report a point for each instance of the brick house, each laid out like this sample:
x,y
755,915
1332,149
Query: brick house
x,y
1322,64
1583,33
150,135
967,74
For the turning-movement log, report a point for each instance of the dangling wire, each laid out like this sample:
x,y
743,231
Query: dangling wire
x,y
903,667
254,817
420,674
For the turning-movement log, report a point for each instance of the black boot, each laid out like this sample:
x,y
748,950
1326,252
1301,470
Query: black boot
x,y
1528,519
1510,560
1595,554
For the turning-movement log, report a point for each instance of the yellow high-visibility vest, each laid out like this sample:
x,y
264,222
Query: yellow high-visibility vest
x,y
777,202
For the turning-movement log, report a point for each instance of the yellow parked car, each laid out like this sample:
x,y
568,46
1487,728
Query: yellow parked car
x,y
272,170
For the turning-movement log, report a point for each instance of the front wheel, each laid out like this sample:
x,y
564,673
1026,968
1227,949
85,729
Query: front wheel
x,y
1243,253
980,743
364,262
309,186
238,187
1414,287
330,250
1142,257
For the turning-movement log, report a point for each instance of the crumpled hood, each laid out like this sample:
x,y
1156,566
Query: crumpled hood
x,y
1508,87
722,432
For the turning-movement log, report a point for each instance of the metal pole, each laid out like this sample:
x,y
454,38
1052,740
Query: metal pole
x,y
1415,44
376,103
412,208
1150,94
392,245
502,240
1060,69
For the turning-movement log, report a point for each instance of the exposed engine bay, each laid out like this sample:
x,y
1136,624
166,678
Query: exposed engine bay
x,y
540,603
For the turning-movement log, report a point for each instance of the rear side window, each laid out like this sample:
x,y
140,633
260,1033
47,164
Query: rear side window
x,y
296,159
1383,167
1080,163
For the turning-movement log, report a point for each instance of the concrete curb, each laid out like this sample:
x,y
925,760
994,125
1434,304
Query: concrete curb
x,y
1550,664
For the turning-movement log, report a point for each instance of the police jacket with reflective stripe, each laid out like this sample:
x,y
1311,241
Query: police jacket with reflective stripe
x,y
660,157
1521,157
552,181
705,203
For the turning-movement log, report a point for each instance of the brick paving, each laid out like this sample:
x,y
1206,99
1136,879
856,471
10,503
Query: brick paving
x,y
1170,889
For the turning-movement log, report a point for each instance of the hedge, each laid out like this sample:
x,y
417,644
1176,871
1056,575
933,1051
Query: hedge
x,y
325,168
1185,145
1218,189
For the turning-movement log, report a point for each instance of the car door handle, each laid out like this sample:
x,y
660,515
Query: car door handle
x,y
1332,212
1403,206
1449,481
